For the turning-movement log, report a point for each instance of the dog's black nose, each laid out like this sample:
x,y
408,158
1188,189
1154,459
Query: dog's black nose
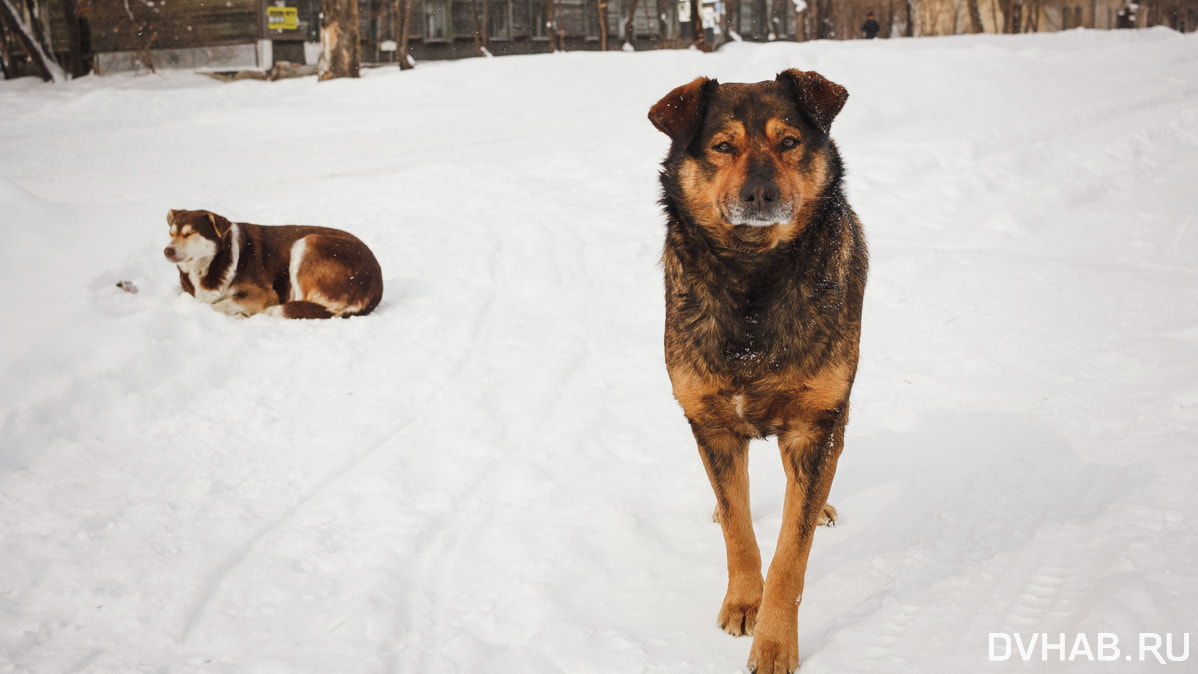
x,y
759,193
169,252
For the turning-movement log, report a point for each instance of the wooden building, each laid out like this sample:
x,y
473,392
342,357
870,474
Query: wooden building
x,y
246,34
121,35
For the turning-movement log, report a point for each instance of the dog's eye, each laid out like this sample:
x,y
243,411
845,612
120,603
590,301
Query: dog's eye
x,y
724,148
789,143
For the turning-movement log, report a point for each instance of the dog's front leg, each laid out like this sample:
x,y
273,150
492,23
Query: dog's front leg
x,y
246,300
810,450
230,306
726,457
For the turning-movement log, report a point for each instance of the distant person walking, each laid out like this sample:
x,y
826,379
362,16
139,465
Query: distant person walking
x,y
870,27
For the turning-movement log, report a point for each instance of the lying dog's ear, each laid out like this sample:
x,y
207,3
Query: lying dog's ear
x,y
821,99
171,215
680,114
219,224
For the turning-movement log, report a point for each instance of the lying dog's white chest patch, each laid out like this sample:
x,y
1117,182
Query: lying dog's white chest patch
x,y
196,272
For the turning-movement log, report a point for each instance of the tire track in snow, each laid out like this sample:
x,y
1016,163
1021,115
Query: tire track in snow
x,y
527,280
415,420
427,610
210,588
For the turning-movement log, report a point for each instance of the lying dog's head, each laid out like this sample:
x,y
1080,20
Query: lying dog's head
x,y
747,157
195,236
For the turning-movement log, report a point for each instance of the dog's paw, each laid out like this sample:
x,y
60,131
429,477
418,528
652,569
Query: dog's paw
x,y
828,517
230,307
739,620
773,657
738,615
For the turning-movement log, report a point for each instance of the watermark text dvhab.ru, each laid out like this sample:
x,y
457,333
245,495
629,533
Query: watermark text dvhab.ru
x,y
1163,648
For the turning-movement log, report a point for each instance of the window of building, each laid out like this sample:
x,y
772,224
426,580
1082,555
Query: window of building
x,y
539,18
753,20
499,20
592,18
436,19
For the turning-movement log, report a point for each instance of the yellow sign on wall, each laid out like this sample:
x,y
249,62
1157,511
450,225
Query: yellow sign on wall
x,y
282,18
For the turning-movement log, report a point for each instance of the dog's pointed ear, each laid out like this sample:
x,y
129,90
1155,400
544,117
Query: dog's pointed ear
x,y
171,215
220,224
679,114
819,98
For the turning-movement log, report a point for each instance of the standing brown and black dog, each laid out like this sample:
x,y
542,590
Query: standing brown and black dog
x,y
765,267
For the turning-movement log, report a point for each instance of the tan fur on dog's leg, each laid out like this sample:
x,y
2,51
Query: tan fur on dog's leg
x,y
809,457
726,457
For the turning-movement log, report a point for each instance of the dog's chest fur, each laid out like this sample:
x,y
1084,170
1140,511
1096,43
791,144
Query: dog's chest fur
x,y
750,314
209,280
750,335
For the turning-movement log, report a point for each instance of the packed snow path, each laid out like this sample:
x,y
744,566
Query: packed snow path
x,y
489,474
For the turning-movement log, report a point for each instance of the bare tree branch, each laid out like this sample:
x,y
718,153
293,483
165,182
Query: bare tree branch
x,y
43,59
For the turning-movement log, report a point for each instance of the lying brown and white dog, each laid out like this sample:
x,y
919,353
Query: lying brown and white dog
x,y
289,271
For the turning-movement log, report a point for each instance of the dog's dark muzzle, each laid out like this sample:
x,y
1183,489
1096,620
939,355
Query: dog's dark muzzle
x,y
759,202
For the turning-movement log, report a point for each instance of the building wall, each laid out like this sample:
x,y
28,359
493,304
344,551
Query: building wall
x,y
445,29
234,34
119,26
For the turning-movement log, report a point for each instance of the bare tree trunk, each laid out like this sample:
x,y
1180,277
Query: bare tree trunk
x,y
1033,17
40,30
801,25
150,34
628,23
777,13
661,23
975,17
37,27
70,10
478,36
826,29
340,51
731,11
5,52
43,59
697,24
403,14
486,32
555,40
602,6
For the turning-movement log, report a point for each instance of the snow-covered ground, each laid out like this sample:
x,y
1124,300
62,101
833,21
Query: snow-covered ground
x,y
489,474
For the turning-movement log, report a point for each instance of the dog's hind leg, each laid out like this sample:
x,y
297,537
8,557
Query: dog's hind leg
x,y
726,457
300,309
828,517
